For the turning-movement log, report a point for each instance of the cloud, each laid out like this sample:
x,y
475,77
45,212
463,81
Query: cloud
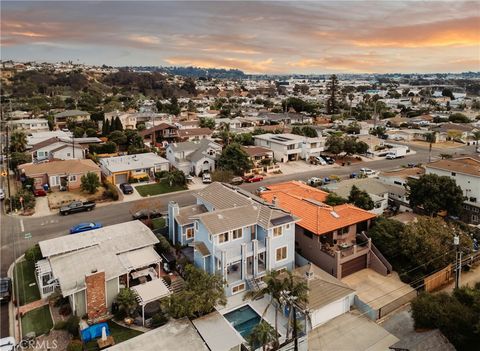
x,y
144,39
250,66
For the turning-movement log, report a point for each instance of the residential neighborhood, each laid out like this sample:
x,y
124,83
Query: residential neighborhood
x,y
236,191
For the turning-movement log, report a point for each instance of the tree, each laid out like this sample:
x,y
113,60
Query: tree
x,y
448,93
360,198
176,177
127,301
334,144
334,200
18,141
78,132
430,138
350,145
117,124
207,123
458,118
353,128
435,193
173,108
362,148
262,335
235,159
106,127
454,134
201,294
295,294
332,89
89,182
305,131
118,137
90,132
19,158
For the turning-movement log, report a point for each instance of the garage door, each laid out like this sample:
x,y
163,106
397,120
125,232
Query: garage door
x,y
121,178
354,265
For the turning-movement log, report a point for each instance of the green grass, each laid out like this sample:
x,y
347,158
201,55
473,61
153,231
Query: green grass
x,y
158,188
38,320
27,286
119,334
158,223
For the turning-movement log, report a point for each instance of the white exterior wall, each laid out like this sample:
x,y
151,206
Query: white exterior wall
x,y
469,183
332,310
67,154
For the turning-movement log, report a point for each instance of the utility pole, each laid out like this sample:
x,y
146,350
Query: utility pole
x,y
458,260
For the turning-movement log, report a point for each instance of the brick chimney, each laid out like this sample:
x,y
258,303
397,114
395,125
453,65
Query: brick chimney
x,y
96,296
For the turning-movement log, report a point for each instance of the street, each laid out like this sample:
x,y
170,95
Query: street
x,y
13,228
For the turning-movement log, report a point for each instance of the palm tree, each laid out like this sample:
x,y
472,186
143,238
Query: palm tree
x,y
225,132
263,334
274,287
18,141
430,138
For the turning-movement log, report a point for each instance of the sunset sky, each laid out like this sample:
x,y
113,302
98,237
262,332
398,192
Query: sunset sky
x,y
256,37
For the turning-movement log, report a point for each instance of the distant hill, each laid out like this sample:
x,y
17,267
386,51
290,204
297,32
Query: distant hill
x,y
196,72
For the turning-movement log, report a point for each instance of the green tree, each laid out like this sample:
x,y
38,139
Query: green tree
x,y
118,137
448,93
235,159
295,294
176,177
262,335
361,147
435,193
106,127
334,144
173,108
91,132
201,294
360,198
78,132
334,200
117,124
127,301
89,182
458,118
430,138
332,90
18,141
19,158
350,145
309,132
207,123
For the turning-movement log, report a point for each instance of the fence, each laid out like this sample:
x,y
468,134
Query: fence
x,y
392,306
438,279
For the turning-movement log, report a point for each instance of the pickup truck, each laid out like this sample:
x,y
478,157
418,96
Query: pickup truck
x,y
77,206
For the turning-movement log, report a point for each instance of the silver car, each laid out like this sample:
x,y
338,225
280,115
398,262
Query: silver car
x,y
2,194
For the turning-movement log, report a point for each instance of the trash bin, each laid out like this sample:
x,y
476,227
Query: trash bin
x,y
343,163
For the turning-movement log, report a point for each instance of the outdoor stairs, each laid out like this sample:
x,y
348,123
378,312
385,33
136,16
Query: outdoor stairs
x,y
177,285
254,285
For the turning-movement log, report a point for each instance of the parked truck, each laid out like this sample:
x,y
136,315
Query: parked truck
x,y
396,153
77,206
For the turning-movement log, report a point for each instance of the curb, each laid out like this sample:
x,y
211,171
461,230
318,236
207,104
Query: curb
x,y
11,307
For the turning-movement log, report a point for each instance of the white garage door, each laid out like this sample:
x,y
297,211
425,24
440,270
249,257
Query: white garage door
x,y
121,178
330,311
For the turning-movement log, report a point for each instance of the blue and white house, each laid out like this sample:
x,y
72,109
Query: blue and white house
x,y
235,234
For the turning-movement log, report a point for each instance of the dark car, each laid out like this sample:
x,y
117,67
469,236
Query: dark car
x,y
126,188
328,159
77,206
236,181
5,290
145,214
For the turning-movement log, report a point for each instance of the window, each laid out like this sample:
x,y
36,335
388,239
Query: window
x,y
454,174
281,253
343,231
72,178
210,237
287,226
196,226
223,238
474,218
189,233
238,288
237,234
277,231
68,154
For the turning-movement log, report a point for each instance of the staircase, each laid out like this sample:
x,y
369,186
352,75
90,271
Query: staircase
x,y
177,285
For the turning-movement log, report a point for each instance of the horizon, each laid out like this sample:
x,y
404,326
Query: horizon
x,y
260,38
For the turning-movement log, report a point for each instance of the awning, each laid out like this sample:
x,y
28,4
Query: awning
x,y
202,248
139,258
151,291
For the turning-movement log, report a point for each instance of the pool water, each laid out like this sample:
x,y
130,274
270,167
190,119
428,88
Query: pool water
x,y
244,320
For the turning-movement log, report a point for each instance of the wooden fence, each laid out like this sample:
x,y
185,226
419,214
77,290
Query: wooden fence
x,y
439,279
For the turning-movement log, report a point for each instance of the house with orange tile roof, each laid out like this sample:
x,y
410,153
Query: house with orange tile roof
x,y
332,237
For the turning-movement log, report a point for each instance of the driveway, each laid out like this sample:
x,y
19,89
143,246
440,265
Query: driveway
x,y
41,207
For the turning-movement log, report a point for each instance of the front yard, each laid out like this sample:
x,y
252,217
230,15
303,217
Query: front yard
x,y
27,285
119,334
158,188
38,320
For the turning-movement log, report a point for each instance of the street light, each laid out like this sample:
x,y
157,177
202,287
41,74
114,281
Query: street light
x,y
458,260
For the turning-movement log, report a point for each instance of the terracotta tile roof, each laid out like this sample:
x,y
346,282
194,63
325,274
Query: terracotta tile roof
x,y
60,167
316,216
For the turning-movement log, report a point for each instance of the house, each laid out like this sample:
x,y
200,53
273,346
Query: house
x,y
377,191
235,235
38,137
194,156
91,267
261,158
290,147
331,237
30,125
57,149
62,118
120,169
192,134
466,173
286,118
128,120
395,181
455,131
59,173
160,134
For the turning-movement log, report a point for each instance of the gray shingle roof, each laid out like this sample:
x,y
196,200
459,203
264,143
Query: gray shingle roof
x,y
185,214
370,185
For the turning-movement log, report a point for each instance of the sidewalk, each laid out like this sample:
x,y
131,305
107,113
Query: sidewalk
x,y
469,278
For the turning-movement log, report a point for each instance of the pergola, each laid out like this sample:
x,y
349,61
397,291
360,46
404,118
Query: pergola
x,y
149,292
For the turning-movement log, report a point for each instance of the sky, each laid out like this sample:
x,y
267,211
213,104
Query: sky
x,y
272,37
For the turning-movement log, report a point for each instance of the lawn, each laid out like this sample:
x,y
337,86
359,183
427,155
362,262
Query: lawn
x,y
38,320
119,334
27,286
158,188
158,223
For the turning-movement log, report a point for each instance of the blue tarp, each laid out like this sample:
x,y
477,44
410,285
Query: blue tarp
x,y
94,332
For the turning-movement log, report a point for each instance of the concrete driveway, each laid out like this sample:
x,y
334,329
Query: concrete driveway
x,y
375,289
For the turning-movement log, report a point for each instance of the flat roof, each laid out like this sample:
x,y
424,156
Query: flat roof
x,y
129,162
217,332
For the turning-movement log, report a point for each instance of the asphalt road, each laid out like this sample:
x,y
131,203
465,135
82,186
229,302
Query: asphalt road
x,y
13,228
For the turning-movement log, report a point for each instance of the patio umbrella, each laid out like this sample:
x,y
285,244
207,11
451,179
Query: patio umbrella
x,y
104,333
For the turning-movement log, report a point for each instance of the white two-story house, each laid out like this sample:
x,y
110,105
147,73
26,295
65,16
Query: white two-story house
x,y
291,147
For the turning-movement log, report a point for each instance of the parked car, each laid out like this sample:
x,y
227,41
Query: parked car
x,y
77,206
84,227
7,344
145,214
126,188
236,181
367,172
206,178
2,194
315,181
328,159
5,290
317,160
261,190
39,192
253,179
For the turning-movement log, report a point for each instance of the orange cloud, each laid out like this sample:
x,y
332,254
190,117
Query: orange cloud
x,y
224,62
144,39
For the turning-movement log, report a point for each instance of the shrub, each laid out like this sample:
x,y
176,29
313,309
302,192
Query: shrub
x,y
160,175
90,182
119,314
60,325
72,325
75,345
112,190
159,319
33,254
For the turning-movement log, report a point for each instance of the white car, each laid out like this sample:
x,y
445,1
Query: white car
x,y
2,194
391,156
7,344
367,172
314,181
206,178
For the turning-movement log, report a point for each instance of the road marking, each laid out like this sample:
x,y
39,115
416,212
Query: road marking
x,y
22,226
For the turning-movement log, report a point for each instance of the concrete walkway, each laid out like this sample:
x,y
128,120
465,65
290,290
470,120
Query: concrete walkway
x,y
469,278
41,207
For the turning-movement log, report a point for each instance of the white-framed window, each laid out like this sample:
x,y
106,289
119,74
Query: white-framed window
x,y
189,232
287,226
196,226
238,288
72,178
223,238
237,234
277,231
281,254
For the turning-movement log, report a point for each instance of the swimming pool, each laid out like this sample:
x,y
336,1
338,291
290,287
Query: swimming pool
x,y
243,319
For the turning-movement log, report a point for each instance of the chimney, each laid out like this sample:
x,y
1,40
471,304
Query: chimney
x,y
309,273
275,201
